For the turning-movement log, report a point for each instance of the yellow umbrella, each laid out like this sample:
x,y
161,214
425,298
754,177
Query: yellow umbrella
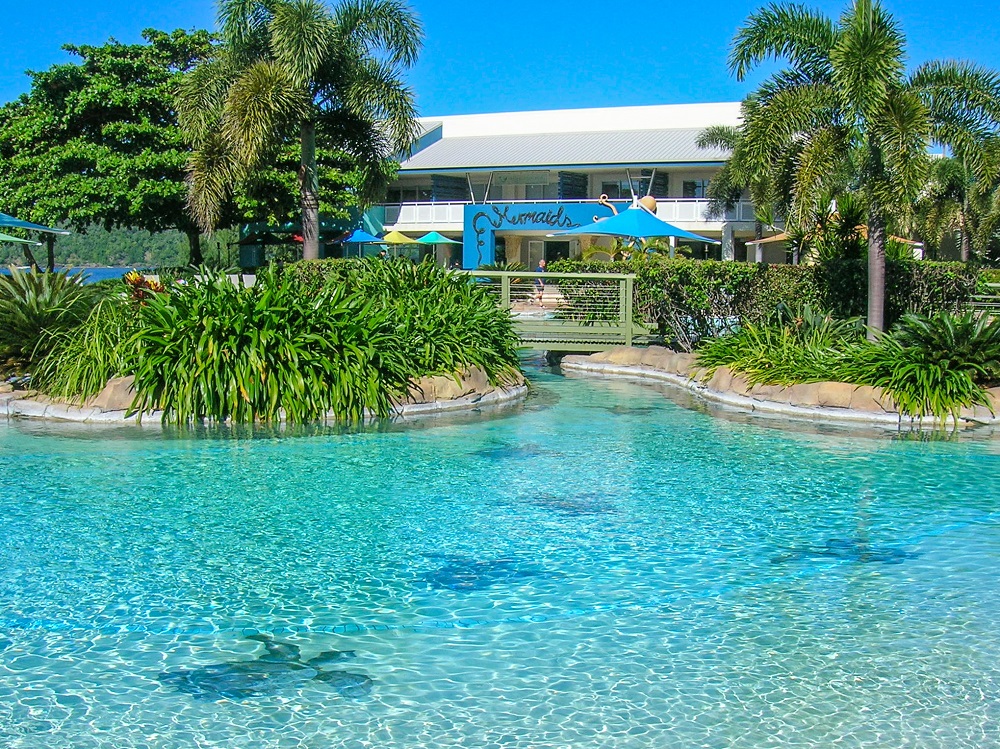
x,y
397,237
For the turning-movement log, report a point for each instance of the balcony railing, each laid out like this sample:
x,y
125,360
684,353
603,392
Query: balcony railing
x,y
674,210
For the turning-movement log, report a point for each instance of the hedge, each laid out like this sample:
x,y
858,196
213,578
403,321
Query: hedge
x,y
687,300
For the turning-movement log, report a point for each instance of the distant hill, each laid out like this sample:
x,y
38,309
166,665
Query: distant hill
x,y
122,247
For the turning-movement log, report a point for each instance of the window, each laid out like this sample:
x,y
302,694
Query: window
x,y
534,192
399,195
619,189
695,188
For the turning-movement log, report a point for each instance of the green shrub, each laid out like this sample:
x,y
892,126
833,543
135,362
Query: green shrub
x,y
35,307
341,337
84,358
689,300
213,350
931,366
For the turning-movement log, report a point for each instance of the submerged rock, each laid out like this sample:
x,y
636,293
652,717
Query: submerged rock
x,y
848,550
280,667
470,574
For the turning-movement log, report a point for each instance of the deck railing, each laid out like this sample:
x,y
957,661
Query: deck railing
x,y
567,311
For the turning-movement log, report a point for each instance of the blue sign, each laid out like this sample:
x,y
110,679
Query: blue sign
x,y
482,222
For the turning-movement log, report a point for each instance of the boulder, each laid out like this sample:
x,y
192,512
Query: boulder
x,y
475,380
993,395
767,393
600,356
805,395
6,387
867,399
835,394
656,357
684,364
626,356
739,385
117,395
721,380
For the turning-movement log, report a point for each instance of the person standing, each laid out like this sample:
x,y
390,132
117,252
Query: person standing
x,y
540,282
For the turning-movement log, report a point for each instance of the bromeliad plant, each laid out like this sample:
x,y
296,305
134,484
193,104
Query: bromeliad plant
x,y
35,306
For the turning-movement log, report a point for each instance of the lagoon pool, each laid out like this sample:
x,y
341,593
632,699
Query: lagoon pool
x,y
601,567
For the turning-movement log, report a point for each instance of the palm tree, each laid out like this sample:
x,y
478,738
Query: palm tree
x,y
954,201
736,176
297,69
848,115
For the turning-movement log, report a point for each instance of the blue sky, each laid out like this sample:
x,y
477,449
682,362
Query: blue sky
x,y
521,54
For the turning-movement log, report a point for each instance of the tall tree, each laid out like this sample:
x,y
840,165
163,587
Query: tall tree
x,y
848,112
954,201
738,176
97,142
297,69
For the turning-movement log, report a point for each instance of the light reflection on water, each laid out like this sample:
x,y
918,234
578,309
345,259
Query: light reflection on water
x,y
598,567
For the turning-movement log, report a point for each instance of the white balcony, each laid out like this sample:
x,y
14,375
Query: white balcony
x,y
449,216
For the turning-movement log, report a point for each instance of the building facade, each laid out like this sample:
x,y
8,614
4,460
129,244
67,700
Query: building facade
x,y
505,184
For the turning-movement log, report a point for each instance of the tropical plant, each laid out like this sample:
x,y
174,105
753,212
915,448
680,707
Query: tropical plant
x,y
343,338
35,306
845,113
954,201
969,341
83,359
296,68
740,173
96,141
214,350
930,366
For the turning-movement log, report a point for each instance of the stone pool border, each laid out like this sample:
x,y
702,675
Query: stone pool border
x,y
430,395
823,401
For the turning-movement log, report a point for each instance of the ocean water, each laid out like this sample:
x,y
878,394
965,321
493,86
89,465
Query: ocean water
x,y
600,567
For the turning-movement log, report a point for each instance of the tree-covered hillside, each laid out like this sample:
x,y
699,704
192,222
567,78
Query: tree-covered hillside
x,y
129,247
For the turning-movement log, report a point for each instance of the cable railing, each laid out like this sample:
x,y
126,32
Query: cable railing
x,y
567,311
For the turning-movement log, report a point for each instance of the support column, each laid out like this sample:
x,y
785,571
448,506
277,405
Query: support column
x,y
673,247
728,252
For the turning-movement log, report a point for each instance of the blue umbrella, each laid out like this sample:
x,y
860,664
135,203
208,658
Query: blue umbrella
x,y
12,222
636,222
360,236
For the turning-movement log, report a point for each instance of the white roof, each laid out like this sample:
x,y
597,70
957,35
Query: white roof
x,y
616,136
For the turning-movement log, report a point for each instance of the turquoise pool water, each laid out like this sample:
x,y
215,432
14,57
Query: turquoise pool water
x,y
599,568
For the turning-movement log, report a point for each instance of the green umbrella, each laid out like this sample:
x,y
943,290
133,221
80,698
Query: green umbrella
x,y
9,238
436,238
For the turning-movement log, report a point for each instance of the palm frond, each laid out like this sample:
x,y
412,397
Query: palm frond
x,y
791,32
301,33
259,103
867,59
389,27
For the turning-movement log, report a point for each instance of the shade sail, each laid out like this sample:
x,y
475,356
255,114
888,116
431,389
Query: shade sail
x,y
360,236
637,223
16,223
862,231
436,238
9,238
397,237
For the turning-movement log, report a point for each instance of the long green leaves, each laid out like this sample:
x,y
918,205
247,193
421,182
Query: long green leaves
x,y
301,347
83,359
931,366
35,305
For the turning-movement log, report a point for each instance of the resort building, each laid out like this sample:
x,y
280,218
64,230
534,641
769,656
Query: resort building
x,y
505,184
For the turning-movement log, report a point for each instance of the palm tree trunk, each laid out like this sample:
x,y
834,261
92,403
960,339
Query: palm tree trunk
x,y
50,253
30,258
309,193
966,239
194,247
876,270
